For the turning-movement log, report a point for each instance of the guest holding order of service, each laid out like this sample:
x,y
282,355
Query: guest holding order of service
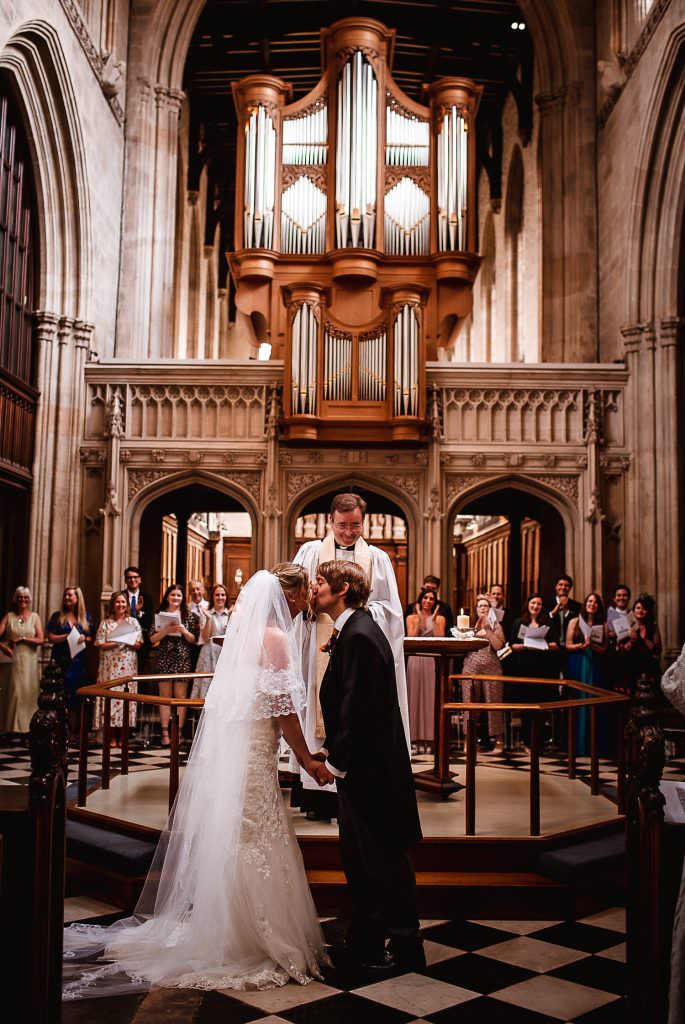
x,y
174,637
535,657
22,633
424,621
73,620
486,663
586,645
215,623
118,639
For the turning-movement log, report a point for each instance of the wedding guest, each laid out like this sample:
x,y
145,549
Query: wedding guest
x,y
72,615
22,633
619,657
586,644
646,640
424,621
117,660
433,583
198,604
532,661
216,621
174,643
141,607
506,619
561,613
486,663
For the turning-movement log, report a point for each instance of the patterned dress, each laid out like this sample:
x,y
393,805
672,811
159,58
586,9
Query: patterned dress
x,y
20,680
116,662
486,663
175,653
209,654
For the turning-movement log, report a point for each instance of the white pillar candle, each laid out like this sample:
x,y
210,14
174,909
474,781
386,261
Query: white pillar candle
x,y
463,622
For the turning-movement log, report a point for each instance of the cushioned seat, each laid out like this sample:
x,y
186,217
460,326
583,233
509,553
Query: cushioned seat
x,y
109,850
583,862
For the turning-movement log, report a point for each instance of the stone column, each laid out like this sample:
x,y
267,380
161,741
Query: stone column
x,y
145,313
271,511
434,514
43,467
594,513
111,511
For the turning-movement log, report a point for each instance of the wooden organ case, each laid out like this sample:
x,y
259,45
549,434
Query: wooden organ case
x,y
355,234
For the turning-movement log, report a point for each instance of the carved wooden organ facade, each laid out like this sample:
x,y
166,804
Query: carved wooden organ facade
x,y
355,234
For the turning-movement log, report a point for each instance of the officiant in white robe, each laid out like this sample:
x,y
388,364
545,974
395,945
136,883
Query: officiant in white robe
x,y
344,542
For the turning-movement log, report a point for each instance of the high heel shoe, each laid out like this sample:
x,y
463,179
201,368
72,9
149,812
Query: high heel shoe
x,y
165,737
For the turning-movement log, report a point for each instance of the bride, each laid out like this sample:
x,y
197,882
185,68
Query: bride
x,y
226,904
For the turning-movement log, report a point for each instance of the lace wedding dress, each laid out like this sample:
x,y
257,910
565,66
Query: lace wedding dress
x,y
226,904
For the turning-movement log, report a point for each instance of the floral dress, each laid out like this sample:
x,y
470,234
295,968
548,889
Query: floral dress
x,y
175,653
116,662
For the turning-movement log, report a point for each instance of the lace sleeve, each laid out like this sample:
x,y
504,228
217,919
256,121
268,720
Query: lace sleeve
x,y
279,692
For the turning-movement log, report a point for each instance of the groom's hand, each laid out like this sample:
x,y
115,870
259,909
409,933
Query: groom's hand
x,y
322,774
320,755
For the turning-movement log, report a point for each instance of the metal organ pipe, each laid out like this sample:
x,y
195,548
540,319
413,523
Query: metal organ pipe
x,y
356,154
304,336
260,178
406,362
452,161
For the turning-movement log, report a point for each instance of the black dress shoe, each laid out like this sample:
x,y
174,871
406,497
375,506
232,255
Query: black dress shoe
x,y
380,964
409,958
316,816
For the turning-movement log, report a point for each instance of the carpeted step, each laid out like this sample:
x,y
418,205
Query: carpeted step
x,y
585,861
123,855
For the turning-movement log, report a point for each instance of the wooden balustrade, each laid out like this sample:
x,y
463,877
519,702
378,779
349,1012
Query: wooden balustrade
x,y
591,697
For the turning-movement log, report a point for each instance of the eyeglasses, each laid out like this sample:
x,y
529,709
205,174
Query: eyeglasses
x,y
349,527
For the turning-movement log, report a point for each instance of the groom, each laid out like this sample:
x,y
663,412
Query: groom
x,y
366,752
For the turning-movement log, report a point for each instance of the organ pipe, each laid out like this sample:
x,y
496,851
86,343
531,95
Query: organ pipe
x,y
356,154
260,179
303,218
337,382
407,220
407,138
452,190
305,137
372,366
406,361
304,344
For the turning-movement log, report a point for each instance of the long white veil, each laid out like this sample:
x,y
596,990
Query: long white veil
x,y
187,921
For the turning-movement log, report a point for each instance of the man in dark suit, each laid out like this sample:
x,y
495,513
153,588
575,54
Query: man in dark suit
x,y
140,608
366,753
565,609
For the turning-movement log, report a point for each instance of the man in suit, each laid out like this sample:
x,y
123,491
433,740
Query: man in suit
x,y
565,609
365,752
140,608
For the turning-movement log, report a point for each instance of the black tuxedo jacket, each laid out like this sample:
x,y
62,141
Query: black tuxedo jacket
x,y
144,615
560,620
364,732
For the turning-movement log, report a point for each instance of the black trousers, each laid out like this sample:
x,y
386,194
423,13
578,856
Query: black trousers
x,y
381,880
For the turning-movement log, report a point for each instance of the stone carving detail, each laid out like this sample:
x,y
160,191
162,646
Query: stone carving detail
x,y
139,478
519,415
99,63
194,457
249,480
97,455
408,483
158,454
517,459
566,485
456,485
298,482
434,511
477,459
196,411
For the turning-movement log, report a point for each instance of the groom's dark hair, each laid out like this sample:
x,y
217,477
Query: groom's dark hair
x,y
337,573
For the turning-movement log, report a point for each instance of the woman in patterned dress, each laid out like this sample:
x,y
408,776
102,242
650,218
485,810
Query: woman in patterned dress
x,y
216,621
486,663
175,653
117,660
22,632
421,671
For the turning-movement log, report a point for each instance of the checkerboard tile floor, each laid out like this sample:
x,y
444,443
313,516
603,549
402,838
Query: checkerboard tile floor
x,y
478,972
15,763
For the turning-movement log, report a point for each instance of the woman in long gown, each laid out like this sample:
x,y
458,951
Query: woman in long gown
x,y
586,647
226,903
20,679
486,663
421,671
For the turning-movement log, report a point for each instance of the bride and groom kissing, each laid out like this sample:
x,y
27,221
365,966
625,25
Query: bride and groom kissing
x,y
226,904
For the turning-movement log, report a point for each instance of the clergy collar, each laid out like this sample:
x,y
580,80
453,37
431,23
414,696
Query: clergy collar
x,y
341,547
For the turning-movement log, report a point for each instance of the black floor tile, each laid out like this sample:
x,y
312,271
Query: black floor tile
x,y
488,1011
220,1009
467,935
478,973
612,1013
114,1010
585,937
346,1008
596,972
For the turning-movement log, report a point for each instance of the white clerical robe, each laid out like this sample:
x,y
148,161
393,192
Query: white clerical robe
x,y
386,609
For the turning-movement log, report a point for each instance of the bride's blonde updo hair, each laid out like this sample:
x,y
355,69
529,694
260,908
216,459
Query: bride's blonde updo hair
x,y
291,577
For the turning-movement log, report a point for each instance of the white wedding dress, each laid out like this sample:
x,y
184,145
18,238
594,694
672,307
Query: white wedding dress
x,y
226,904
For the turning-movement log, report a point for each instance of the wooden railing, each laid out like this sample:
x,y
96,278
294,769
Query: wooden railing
x,y
593,698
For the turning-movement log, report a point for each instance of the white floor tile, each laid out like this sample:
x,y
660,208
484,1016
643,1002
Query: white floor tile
x,y
79,908
555,997
615,953
614,919
533,954
416,994
436,953
520,927
273,1000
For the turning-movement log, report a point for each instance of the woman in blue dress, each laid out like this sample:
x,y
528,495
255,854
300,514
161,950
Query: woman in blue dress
x,y
72,614
586,645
